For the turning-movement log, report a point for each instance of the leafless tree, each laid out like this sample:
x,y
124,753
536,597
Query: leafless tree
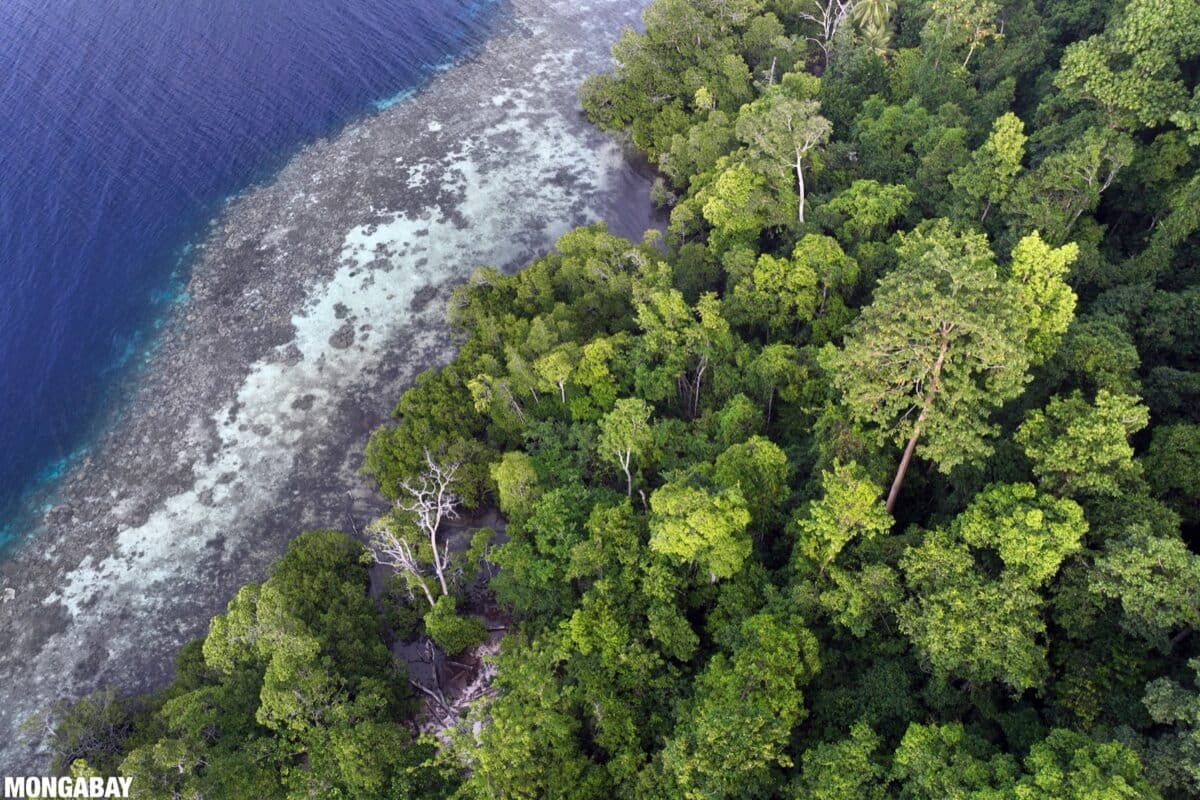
x,y
429,501
828,16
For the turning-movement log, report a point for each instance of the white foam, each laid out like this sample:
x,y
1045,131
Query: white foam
x,y
421,247
505,166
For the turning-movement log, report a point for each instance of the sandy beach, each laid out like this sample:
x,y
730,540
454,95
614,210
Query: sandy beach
x,y
314,300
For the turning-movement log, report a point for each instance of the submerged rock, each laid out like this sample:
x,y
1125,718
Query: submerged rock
x,y
249,421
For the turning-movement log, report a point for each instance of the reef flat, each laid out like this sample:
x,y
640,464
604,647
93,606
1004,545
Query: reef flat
x,y
313,300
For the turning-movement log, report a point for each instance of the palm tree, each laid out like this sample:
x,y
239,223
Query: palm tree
x,y
878,39
873,15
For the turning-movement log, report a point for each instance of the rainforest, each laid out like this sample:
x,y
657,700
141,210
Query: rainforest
x,y
875,474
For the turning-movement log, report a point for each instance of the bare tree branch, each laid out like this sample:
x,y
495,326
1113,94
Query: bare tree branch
x,y
430,502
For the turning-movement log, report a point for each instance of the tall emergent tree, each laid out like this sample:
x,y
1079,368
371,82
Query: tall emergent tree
x,y
946,341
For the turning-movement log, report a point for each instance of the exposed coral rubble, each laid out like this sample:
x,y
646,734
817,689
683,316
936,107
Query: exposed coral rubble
x,y
313,301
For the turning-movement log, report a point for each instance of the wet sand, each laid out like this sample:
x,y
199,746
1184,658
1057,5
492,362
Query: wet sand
x,y
314,300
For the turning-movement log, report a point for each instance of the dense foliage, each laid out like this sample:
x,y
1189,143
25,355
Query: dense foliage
x,y
292,694
879,476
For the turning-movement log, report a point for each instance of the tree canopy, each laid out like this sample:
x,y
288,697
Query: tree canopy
x,y
874,476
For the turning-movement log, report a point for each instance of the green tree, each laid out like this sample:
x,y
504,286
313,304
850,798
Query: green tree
x,y
845,770
758,469
556,368
1157,581
1080,447
680,347
737,202
784,130
699,149
516,483
989,178
780,293
777,372
1131,71
1037,275
1069,765
867,209
1068,183
873,18
1175,756
741,715
528,747
950,761
862,600
1032,533
625,434
698,526
942,345
451,632
737,421
1172,465
1097,353
958,26
93,728
966,621
848,509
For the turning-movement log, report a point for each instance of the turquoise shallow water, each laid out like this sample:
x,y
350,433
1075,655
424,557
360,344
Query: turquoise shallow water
x,y
125,126
316,296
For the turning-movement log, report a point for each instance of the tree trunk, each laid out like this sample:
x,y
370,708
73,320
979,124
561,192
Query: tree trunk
x,y
628,476
425,589
800,182
438,566
903,468
894,492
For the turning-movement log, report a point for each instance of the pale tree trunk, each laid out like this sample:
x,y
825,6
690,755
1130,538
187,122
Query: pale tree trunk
x,y
829,17
696,386
626,457
432,501
428,594
970,53
394,551
800,182
515,406
935,374
903,468
440,559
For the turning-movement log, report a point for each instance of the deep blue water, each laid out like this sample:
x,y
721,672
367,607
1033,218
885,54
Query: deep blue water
x,y
124,125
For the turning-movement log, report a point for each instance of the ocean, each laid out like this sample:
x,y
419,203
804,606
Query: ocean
x,y
315,296
125,125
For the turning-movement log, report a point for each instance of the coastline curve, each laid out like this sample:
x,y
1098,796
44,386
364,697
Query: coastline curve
x,y
314,299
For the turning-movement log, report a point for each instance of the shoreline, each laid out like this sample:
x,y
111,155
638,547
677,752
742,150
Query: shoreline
x,y
22,512
314,299
34,488
42,493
